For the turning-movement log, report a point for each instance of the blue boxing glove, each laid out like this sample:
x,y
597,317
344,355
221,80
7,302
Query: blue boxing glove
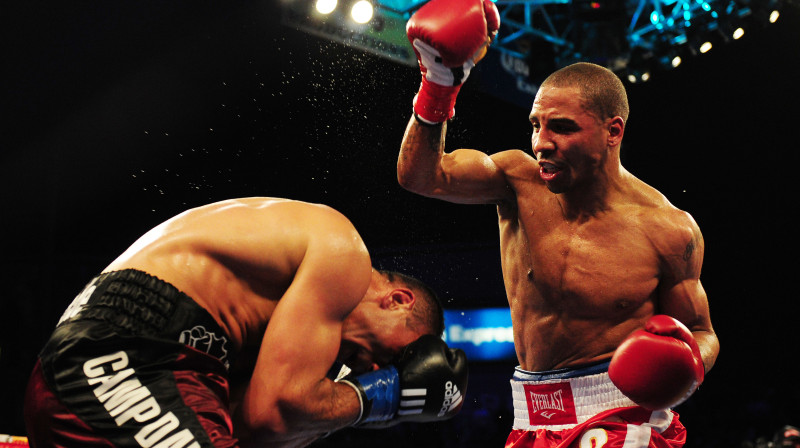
x,y
378,393
427,384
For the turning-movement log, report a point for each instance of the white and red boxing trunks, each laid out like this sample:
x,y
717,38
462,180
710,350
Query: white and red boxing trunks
x,y
577,408
133,362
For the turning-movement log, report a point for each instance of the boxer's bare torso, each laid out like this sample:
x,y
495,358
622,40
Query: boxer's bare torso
x,y
292,285
579,284
589,252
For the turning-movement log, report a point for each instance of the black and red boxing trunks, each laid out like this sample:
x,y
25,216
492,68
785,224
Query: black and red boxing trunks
x,y
133,362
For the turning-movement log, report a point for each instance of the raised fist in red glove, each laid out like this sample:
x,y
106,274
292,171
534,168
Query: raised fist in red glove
x,y
660,366
449,37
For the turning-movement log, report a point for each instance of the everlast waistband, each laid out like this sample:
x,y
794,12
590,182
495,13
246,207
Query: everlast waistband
x,y
562,399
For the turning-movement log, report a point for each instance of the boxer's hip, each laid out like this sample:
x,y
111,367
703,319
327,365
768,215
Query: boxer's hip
x,y
134,309
562,399
132,352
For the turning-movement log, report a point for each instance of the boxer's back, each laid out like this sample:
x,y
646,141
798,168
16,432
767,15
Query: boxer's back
x,y
234,258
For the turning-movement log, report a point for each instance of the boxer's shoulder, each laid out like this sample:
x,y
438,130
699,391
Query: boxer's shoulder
x,y
518,166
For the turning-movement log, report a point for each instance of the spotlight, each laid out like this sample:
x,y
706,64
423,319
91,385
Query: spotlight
x,y
676,61
730,26
706,47
325,6
362,11
768,13
638,75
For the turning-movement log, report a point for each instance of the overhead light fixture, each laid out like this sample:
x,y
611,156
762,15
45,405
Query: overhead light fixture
x,y
362,11
325,6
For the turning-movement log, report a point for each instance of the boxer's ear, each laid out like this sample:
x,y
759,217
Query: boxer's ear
x,y
616,129
398,298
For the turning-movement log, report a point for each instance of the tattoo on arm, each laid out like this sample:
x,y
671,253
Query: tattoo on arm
x,y
691,247
687,253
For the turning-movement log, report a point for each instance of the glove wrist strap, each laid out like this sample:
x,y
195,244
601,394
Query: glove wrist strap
x,y
359,394
435,103
378,393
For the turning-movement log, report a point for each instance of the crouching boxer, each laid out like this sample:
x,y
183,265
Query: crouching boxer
x,y
220,326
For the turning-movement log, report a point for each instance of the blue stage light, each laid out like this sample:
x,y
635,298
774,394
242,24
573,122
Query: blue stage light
x,y
484,334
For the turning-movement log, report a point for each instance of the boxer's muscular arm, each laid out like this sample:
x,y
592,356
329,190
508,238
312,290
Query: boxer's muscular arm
x,y
289,401
681,294
463,176
448,37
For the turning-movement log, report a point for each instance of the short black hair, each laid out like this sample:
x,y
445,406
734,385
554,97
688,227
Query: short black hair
x,y
427,315
602,91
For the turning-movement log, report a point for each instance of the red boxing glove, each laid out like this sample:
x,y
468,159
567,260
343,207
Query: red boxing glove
x,y
449,37
660,366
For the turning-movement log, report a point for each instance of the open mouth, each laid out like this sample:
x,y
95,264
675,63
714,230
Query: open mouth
x,y
548,171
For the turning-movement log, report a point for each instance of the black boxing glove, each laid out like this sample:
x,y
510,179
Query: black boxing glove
x,y
427,384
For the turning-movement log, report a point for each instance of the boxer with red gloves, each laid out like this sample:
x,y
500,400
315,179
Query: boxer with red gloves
x,y
602,273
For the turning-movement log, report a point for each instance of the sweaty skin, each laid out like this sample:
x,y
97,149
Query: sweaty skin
x,y
293,286
589,252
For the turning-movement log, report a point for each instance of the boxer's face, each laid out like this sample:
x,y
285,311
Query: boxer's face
x,y
568,141
377,330
365,354
377,347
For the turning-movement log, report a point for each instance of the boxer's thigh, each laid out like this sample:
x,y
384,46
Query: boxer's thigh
x,y
141,392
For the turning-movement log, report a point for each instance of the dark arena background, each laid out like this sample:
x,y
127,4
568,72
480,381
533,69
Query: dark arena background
x,y
120,114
